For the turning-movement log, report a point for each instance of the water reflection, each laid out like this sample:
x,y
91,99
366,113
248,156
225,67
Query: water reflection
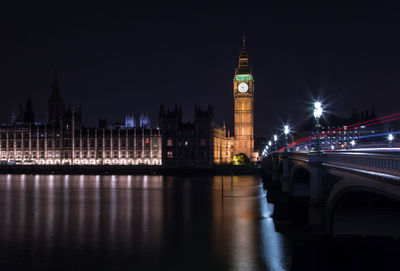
x,y
143,222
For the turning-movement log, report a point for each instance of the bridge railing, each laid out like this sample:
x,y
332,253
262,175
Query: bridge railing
x,y
300,156
376,162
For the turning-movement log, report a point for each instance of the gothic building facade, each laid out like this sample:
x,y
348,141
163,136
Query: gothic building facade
x,y
187,144
63,140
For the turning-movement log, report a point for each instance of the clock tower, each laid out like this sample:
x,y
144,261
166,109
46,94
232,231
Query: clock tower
x,y
243,93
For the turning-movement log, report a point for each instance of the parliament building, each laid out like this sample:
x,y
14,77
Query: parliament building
x,y
62,139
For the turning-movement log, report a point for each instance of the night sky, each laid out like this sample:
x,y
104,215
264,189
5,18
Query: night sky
x,y
113,60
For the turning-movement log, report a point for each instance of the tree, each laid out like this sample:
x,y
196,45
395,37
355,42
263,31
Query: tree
x,y
241,159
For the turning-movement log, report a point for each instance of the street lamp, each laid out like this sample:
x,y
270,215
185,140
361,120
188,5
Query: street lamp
x,y
352,143
275,142
390,138
286,132
317,116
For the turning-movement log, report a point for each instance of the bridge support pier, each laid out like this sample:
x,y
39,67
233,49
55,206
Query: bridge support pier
x,y
317,204
285,178
275,168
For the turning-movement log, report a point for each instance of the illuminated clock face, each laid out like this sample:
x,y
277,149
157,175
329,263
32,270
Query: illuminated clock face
x,y
243,87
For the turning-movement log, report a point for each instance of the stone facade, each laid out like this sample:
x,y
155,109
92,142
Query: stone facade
x,y
41,144
223,146
64,140
187,144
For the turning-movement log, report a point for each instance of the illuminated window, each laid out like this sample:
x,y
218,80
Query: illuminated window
x,y
169,142
170,154
186,143
147,141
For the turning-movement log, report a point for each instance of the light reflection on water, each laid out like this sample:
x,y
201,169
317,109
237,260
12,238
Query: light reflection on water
x,y
121,222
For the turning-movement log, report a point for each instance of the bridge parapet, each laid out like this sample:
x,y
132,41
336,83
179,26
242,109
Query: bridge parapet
x,y
299,156
376,162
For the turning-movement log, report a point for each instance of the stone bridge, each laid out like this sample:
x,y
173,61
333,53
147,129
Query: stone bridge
x,y
350,193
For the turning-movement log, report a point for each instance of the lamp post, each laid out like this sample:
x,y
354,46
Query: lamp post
x,y
352,143
390,138
275,143
317,116
286,132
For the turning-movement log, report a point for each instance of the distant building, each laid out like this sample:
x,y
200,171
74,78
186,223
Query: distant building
x,y
338,133
143,122
130,121
223,145
63,139
17,117
187,144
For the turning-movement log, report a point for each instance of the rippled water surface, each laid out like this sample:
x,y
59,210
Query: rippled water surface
x,y
137,223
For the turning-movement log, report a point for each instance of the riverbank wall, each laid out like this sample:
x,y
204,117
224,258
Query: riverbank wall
x,y
128,170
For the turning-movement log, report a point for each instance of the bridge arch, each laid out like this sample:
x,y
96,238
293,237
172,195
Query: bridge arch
x,y
300,178
280,167
363,210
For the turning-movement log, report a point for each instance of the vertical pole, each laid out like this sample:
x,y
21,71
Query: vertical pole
x,y
222,186
286,143
317,136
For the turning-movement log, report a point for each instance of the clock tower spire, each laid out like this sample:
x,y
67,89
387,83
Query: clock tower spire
x,y
243,94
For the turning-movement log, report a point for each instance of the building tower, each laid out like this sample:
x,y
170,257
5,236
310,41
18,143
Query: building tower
x,y
243,93
56,105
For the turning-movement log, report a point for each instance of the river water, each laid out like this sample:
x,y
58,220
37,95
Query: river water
x,y
69,222
72,222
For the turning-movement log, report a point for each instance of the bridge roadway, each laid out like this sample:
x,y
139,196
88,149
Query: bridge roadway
x,y
350,193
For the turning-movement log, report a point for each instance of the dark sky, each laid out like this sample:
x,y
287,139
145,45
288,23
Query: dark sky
x,y
118,59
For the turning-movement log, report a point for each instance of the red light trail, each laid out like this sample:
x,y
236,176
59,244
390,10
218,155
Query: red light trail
x,y
346,127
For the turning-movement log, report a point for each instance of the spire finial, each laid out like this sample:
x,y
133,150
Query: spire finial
x,y
243,67
243,54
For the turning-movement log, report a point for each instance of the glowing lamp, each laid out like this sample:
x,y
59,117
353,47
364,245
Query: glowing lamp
x,y
317,110
286,129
